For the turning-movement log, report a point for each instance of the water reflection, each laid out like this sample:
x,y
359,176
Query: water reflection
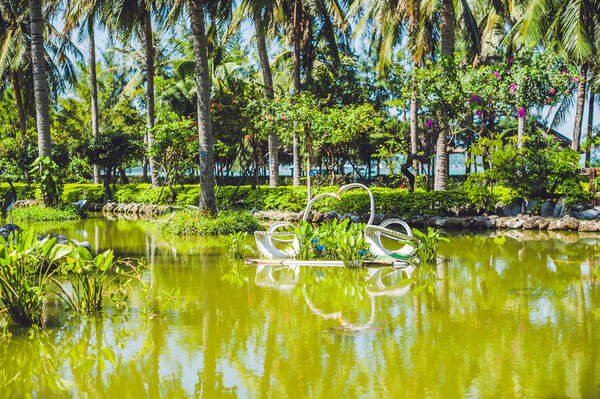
x,y
515,315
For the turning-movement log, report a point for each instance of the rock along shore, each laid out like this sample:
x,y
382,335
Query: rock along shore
x,y
485,222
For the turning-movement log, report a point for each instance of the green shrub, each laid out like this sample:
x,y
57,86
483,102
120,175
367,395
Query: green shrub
x,y
199,224
43,214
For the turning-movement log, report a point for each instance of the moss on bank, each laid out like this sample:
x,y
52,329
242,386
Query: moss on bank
x,y
199,224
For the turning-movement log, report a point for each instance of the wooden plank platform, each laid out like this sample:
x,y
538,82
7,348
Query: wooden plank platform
x,y
327,263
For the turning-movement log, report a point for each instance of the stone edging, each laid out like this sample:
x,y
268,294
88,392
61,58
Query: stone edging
x,y
132,209
522,222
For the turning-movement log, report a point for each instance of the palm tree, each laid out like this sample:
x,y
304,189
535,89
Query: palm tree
x,y
261,12
441,148
573,27
40,80
88,11
135,17
13,27
389,19
207,187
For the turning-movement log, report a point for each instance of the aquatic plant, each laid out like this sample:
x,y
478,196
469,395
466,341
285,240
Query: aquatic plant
x,y
345,241
306,234
426,250
91,278
26,265
236,247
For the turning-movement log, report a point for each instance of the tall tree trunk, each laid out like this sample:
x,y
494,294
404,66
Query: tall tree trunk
x,y
40,80
414,123
149,39
447,28
579,111
207,184
268,79
93,89
441,159
19,104
297,62
590,126
521,129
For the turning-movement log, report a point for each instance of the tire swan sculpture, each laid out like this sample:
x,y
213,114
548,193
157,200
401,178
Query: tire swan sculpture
x,y
269,242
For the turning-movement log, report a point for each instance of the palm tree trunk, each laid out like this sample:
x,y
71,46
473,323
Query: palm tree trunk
x,y
579,111
297,37
521,130
19,104
441,148
268,79
590,126
414,123
207,186
447,28
150,90
40,80
93,89
441,159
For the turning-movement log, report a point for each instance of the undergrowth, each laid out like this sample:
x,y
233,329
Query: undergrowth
x,y
189,223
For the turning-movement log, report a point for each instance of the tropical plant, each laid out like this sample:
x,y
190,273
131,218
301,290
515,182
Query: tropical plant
x,y
93,278
47,175
26,266
236,246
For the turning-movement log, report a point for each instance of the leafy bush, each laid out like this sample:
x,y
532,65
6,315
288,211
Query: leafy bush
x,y
199,224
47,175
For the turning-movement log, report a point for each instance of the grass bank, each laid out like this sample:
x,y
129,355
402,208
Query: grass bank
x,y
38,213
198,224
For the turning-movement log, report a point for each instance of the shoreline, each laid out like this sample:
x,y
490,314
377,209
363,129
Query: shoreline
x,y
477,223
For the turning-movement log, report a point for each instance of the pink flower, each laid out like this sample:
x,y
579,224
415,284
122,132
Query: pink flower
x,y
284,117
429,123
478,112
513,86
521,113
510,60
552,90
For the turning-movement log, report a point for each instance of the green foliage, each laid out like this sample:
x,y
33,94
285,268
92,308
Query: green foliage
x,y
114,148
236,246
43,214
425,274
46,175
540,169
174,144
26,265
343,241
199,224
93,278
426,250
347,242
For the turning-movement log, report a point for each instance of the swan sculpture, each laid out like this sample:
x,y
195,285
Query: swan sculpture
x,y
276,244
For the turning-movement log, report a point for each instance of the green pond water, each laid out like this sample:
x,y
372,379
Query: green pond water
x,y
515,315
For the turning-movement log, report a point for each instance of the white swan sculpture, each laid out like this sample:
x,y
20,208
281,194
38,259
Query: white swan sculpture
x,y
268,241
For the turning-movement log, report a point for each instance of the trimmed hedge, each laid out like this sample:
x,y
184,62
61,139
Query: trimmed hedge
x,y
284,198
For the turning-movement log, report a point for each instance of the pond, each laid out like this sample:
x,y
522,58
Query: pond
x,y
515,315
